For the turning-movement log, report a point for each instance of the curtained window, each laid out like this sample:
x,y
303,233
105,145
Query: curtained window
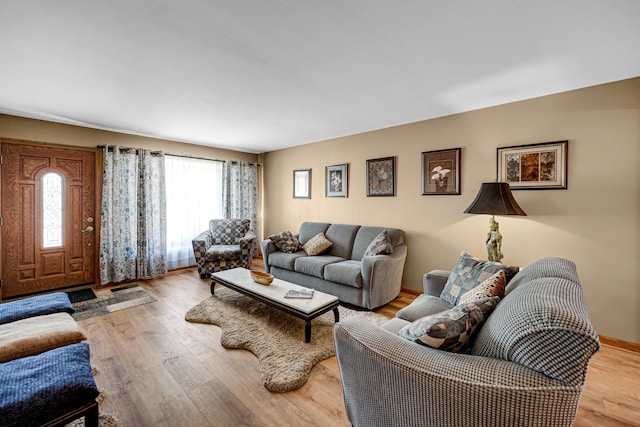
x,y
194,196
133,218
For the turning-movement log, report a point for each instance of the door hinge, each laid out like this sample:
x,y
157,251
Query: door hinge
x,y
1,222
1,159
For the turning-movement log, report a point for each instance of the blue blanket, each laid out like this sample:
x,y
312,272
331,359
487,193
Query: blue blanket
x,y
35,306
37,389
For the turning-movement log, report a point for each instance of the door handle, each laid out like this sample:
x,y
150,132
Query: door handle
x,y
89,228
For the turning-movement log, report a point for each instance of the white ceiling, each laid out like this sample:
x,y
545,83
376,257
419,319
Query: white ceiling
x,y
258,76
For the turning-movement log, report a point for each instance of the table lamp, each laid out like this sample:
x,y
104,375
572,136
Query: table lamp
x,y
495,198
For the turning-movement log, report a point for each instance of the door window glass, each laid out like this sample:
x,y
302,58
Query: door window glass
x,y
51,210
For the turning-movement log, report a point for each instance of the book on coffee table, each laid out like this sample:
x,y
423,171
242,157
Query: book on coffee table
x,y
299,293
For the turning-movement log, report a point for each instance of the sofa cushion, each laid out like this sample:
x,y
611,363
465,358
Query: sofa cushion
x,y
543,324
422,306
468,273
285,241
315,265
394,325
347,273
310,229
317,245
492,287
452,330
217,252
34,335
367,233
285,260
341,237
380,245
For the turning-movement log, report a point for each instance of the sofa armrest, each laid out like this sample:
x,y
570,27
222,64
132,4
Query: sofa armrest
x,y
434,281
426,386
382,277
267,248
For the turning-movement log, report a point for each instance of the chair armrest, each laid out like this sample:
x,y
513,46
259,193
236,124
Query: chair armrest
x,y
426,386
248,239
434,282
202,242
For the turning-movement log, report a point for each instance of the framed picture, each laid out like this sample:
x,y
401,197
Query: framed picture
x,y
302,184
441,172
336,180
534,167
381,177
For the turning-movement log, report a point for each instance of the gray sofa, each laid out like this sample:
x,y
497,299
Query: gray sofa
x,y
526,367
368,282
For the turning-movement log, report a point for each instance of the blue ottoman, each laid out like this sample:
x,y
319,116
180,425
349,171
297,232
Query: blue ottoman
x,y
35,306
52,388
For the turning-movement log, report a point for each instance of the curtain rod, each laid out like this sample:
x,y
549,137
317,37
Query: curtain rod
x,y
111,147
122,148
207,158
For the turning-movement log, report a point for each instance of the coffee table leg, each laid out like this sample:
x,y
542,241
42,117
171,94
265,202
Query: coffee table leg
x,y
213,286
307,331
336,315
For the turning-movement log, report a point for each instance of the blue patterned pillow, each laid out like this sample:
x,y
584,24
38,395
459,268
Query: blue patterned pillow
x,y
380,245
451,330
469,272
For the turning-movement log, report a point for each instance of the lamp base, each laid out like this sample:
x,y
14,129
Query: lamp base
x,y
494,241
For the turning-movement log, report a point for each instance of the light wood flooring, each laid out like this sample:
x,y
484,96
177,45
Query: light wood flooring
x,y
156,369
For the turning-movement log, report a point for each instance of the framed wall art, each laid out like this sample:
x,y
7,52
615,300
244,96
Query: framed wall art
x,y
302,184
540,166
381,177
336,180
441,172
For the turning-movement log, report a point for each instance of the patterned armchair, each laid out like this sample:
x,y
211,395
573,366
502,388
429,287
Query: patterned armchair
x,y
227,243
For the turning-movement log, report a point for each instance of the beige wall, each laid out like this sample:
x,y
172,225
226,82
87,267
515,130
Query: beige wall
x,y
594,222
48,132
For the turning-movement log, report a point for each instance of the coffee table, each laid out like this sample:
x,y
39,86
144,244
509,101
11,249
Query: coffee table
x,y
239,279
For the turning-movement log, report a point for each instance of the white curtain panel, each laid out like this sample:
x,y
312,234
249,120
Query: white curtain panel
x,y
194,196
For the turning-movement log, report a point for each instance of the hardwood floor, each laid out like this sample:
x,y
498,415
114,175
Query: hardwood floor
x,y
156,369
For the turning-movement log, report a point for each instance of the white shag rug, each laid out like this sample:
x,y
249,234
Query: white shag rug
x,y
276,338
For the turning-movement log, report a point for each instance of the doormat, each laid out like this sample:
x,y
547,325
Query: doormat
x,y
81,295
110,300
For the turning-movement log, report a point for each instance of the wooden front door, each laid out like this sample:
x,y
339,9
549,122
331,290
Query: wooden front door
x,y
48,218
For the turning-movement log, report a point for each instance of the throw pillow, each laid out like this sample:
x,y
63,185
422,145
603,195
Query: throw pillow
x,y
380,245
468,273
317,245
492,287
452,330
285,241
